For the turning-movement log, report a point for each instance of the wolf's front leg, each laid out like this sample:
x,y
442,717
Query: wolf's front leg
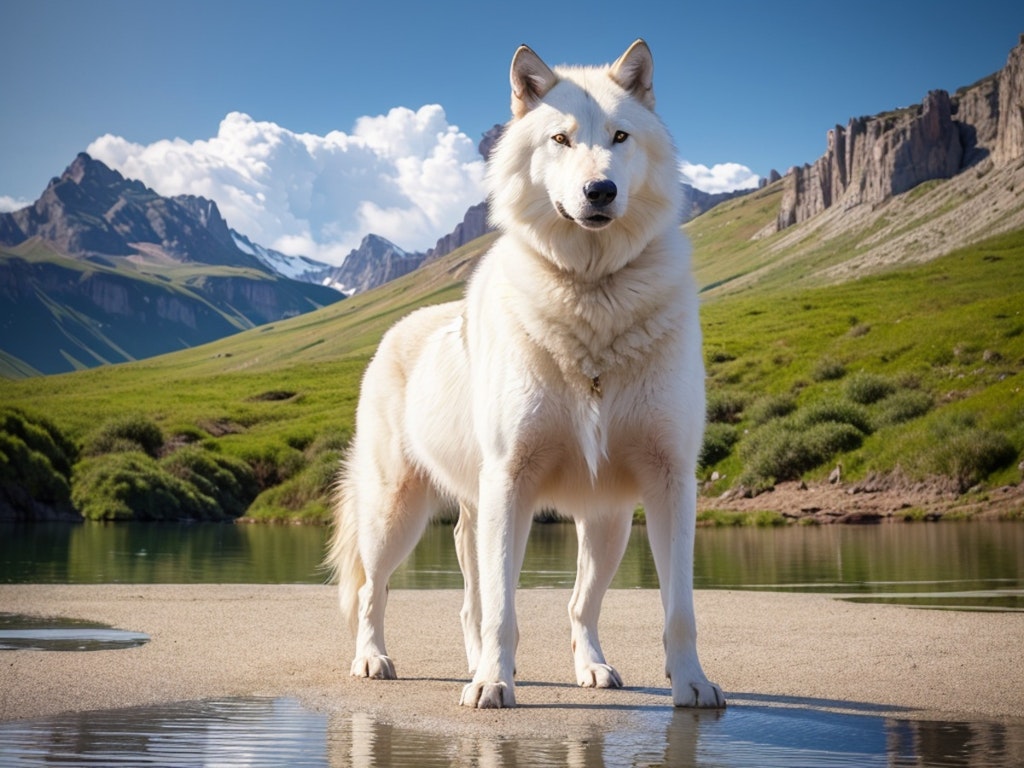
x,y
502,530
671,527
602,537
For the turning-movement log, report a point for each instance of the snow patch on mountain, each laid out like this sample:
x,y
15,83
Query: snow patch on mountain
x,y
300,268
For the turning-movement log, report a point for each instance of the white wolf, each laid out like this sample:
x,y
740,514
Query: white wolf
x,y
570,377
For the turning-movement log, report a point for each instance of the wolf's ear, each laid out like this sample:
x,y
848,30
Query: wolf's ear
x,y
531,78
634,71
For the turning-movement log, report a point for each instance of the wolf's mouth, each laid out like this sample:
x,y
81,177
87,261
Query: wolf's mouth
x,y
597,221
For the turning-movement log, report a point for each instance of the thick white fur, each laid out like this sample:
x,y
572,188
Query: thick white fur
x,y
570,377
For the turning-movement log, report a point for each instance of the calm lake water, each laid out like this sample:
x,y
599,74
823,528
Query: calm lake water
x,y
965,565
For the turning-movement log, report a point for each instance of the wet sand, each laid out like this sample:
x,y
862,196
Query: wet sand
x,y
214,641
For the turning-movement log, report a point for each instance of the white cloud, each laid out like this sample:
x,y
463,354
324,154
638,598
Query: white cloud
x,y
8,203
408,176
721,177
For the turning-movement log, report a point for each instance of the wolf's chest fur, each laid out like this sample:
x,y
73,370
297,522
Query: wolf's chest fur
x,y
600,330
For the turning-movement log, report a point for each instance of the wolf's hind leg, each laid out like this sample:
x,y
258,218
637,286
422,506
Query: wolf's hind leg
x,y
389,530
465,548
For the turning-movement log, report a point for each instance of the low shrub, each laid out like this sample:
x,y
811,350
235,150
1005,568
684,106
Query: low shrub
x,y
724,406
838,411
125,434
785,453
39,434
719,518
768,407
272,463
783,449
828,369
305,496
228,481
902,406
131,485
35,467
968,455
718,442
867,388
827,439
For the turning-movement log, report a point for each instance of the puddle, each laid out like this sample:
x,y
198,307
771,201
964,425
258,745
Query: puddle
x,y
33,633
756,730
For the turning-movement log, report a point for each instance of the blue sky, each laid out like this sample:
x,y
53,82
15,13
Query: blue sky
x,y
752,83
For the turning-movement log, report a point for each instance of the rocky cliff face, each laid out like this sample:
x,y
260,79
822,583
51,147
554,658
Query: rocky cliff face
x,y
874,158
473,225
1009,141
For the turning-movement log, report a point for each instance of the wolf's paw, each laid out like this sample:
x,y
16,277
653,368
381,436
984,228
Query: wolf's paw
x,y
698,693
488,696
376,667
598,676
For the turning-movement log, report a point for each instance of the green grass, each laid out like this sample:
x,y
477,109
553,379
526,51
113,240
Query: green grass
x,y
937,342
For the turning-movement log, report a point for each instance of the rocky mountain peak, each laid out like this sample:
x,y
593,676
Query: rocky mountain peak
x,y
376,261
84,169
59,315
92,211
208,215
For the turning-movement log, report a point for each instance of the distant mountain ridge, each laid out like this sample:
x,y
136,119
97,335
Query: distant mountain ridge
x,y
101,269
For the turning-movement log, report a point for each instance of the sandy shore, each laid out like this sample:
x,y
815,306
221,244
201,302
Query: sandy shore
x,y
216,641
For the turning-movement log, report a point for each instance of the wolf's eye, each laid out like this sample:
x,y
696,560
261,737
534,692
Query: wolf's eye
x,y
561,138
620,136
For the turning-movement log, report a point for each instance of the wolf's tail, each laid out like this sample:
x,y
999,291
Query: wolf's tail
x,y
342,559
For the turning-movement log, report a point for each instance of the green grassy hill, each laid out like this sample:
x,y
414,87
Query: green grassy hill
x,y
916,368
913,368
280,397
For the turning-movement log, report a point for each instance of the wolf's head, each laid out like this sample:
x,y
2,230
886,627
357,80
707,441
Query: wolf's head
x,y
585,156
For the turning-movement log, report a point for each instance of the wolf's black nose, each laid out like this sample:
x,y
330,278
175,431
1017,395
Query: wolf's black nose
x,y
600,192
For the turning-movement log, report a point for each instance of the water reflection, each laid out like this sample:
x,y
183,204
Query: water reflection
x,y
233,732
36,633
965,565
971,566
265,732
160,553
